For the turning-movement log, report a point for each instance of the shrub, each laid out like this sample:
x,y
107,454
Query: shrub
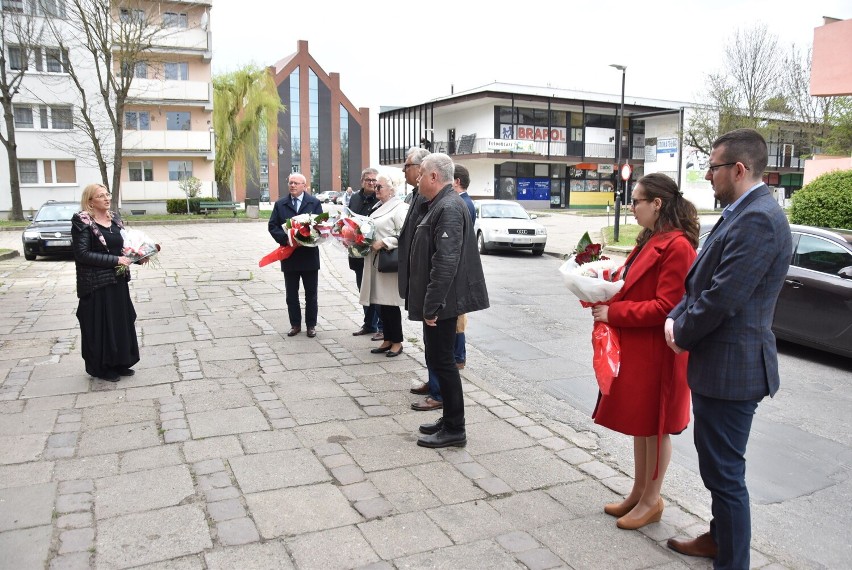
x,y
825,202
178,205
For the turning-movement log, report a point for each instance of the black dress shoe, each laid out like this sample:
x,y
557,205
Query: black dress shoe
x,y
362,332
312,332
294,331
125,372
381,349
391,353
109,376
429,429
443,438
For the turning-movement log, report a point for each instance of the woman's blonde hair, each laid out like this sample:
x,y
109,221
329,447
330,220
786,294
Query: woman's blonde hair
x,y
89,193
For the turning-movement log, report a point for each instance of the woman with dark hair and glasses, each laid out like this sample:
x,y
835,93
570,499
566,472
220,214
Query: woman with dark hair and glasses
x,y
649,399
107,318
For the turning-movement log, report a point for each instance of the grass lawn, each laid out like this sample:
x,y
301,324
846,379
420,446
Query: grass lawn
x,y
626,234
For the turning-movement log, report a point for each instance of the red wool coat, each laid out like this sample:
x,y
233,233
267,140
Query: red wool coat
x,y
650,395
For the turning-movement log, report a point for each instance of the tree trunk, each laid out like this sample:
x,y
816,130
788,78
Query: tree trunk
x,y
17,212
223,191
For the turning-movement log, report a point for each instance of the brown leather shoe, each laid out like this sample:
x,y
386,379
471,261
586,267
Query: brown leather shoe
x,y
427,405
422,390
294,331
703,546
311,332
362,332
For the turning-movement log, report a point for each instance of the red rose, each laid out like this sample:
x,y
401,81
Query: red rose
x,y
304,231
359,239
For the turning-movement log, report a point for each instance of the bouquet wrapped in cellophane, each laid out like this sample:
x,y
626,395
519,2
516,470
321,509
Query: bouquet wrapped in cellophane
x,y
138,247
594,279
355,233
304,230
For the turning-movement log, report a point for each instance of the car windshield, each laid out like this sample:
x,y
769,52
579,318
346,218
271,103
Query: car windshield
x,y
514,211
56,212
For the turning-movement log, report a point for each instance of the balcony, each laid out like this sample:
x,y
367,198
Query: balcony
x,y
573,149
169,143
154,90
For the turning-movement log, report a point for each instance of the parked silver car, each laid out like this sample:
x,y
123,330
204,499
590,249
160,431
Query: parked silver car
x,y
504,224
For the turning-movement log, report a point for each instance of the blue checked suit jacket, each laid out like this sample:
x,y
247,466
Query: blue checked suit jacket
x,y
725,317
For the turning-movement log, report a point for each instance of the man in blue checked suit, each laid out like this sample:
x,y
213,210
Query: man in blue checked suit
x,y
724,320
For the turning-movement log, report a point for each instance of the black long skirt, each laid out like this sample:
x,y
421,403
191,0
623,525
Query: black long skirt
x,y
108,329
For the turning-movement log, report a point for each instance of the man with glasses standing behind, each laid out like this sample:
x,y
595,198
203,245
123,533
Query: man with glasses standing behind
x,y
724,320
362,203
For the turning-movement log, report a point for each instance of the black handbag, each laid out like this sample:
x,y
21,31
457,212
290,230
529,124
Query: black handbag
x,y
388,260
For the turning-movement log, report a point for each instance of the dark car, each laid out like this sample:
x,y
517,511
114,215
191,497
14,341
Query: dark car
x,y
815,304
49,233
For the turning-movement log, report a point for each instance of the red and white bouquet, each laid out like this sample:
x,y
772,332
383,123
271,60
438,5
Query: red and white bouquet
x,y
595,279
304,230
137,246
355,233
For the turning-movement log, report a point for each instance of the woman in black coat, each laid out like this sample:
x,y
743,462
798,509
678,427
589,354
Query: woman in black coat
x,y
107,318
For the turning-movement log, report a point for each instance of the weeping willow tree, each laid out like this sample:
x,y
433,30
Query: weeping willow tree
x,y
244,102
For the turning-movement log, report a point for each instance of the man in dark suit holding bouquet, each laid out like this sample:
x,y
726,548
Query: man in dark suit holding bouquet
x,y
724,320
304,263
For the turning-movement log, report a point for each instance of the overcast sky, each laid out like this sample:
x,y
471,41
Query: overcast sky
x,y
391,53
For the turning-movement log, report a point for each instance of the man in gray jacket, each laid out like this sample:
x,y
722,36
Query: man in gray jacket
x,y
445,280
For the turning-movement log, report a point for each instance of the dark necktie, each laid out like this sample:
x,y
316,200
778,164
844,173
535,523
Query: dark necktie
x,y
295,204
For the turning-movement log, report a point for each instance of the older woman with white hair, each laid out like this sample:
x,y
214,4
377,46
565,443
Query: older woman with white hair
x,y
380,288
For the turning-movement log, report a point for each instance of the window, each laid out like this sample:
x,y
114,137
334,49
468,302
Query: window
x,y
17,59
57,60
175,20
141,70
61,117
139,171
28,171
55,8
23,117
180,169
137,120
38,59
178,71
177,121
818,254
66,172
16,6
135,15
42,115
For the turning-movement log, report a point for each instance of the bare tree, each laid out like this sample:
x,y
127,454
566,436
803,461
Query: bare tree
x,y
20,35
116,36
737,96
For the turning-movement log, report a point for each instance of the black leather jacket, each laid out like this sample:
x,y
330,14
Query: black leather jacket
x,y
95,265
445,273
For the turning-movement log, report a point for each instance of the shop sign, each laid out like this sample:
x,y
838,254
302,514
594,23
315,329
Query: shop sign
x,y
528,132
667,146
605,168
506,145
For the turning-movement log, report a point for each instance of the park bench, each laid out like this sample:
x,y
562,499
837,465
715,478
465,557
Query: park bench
x,y
207,207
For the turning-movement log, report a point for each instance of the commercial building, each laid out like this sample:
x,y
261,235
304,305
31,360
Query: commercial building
x,y
321,134
555,148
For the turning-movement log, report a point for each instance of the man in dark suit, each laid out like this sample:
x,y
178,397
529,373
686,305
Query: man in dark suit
x,y
724,320
304,263
362,203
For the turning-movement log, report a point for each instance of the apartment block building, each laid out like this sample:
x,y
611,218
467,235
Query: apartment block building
x,y
168,118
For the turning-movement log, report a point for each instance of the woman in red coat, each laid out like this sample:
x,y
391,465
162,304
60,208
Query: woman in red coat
x,y
649,399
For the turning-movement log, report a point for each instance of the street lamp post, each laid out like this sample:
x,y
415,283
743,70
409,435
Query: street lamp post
x,y
619,187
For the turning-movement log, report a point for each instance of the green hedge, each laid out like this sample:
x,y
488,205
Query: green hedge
x,y
825,202
178,205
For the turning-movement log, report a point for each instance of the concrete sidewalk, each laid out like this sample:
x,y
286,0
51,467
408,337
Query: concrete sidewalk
x,y
236,447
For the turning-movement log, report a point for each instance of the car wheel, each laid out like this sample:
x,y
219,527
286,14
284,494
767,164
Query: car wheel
x,y
480,242
538,250
29,256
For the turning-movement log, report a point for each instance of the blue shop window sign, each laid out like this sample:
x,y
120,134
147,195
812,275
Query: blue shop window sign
x,y
534,189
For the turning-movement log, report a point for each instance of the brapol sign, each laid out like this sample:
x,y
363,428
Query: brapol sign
x,y
530,133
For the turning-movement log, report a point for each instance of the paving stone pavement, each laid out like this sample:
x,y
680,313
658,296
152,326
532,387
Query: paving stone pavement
x,y
235,446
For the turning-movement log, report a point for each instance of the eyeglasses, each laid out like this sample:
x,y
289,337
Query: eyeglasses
x,y
634,200
714,167
406,166
370,180
379,187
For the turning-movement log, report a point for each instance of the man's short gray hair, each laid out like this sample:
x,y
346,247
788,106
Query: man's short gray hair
x,y
367,171
440,163
416,154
